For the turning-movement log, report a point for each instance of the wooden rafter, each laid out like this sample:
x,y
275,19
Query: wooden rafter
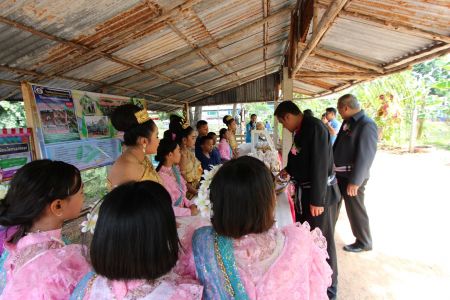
x,y
110,57
224,76
201,53
233,83
348,59
229,59
324,25
340,63
436,50
335,75
348,13
89,81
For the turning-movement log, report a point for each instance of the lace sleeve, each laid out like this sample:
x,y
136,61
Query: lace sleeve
x,y
320,271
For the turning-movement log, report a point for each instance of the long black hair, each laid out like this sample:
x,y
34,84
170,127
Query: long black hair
x,y
166,146
184,134
35,186
135,236
123,119
242,194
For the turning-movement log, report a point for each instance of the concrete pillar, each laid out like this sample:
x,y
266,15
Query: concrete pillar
x,y
288,94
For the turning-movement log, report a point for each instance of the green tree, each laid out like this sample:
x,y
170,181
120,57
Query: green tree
x,y
12,114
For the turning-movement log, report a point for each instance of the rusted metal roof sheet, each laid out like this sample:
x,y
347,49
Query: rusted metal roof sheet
x,y
188,50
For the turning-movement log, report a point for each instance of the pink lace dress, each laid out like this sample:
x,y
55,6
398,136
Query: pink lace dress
x,y
225,150
168,287
176,186
40,266
287,263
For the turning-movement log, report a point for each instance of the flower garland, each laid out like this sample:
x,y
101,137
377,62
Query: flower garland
x,y
202,199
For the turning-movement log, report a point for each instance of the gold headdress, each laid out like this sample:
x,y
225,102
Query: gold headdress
x,y
228,118
142,116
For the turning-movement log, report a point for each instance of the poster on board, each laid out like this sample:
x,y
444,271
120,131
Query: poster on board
x,y
57,114
93,111
15,151
86,154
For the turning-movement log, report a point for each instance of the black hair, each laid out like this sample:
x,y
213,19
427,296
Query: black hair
x,y
331,110
135,236
201,123
123,119
227,120
184,134
35,186
165,147
205,138
222,133
242,195
286,107
308,113
176,124
212,134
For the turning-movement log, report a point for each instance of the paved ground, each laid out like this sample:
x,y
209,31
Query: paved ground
x,y
408,199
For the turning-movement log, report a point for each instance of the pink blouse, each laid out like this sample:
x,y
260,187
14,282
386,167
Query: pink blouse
x,y
40,266
225,149
176,191
170,287
287,263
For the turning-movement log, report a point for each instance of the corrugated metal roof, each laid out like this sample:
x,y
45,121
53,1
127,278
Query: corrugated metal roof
x,y
186,50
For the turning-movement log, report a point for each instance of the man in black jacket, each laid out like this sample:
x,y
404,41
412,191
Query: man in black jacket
x,y
354,152
310,164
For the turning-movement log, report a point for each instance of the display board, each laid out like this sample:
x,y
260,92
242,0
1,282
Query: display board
x,y
75,126
15,151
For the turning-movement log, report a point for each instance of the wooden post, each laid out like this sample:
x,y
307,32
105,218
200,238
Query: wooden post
x,y
186,115
288,94
412,134
31,118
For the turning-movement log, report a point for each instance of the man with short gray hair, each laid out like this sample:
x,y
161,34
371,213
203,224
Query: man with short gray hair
x,y
354,152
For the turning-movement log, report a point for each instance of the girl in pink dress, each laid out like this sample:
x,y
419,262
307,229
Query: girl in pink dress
x,y
134,248
36,264
169,157
242,255
224,147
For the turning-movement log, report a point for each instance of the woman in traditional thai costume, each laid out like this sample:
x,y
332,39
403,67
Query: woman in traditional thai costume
x,y
232,126
226,153
140,139
190,166
134,248
243,255
36,264
169,157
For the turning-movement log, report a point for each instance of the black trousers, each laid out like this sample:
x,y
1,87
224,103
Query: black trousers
x,y
357,213
326,223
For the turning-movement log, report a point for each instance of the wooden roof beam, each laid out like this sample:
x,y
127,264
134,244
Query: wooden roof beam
x,y
240,31
348,59
324,25
232,84
38,74
350,14
64,68
435,51
335,75
203,70
224,76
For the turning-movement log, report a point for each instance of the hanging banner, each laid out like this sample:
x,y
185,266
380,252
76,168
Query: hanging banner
x,y
15,151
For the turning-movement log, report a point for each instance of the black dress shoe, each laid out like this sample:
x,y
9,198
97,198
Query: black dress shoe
x,y
356,247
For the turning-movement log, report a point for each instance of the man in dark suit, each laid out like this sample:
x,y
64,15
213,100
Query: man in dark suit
x,y
310,164
354,152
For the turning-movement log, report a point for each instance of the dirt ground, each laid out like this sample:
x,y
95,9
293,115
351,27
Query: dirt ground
x,y
408,203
